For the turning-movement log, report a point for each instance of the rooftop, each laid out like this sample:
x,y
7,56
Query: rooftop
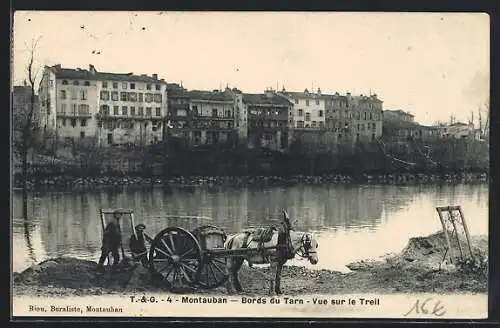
x,y
399,112
210,95
93,74
265,99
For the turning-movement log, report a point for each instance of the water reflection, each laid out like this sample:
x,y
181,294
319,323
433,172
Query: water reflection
x,y
354,220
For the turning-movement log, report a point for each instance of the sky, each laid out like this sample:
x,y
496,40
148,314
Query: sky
x,y
433,65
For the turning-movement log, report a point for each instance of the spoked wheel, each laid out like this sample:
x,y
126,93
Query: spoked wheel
x,y
175,258
213,271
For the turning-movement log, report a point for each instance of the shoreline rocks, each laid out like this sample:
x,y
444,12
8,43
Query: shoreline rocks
x,y
79,183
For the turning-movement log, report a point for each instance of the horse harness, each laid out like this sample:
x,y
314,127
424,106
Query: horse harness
x,y
305,248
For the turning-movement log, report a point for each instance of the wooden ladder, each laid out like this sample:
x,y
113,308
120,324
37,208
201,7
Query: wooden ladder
x,y
456,217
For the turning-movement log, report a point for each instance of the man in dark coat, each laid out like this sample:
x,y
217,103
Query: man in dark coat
x,y
138,245
111,241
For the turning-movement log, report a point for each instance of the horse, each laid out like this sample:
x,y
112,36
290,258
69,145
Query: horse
x,y
303,244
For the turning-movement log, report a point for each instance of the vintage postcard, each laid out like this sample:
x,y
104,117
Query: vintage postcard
x,y
250,164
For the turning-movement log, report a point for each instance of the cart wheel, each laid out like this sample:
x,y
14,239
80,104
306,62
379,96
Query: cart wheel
x,y
175,258
213,272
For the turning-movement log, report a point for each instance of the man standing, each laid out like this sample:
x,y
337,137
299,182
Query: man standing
x,y
138,245
111,241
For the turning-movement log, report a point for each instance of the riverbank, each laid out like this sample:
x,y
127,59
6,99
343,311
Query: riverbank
x,y
417,268
91,182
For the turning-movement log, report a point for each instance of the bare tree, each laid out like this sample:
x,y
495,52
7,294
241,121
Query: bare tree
x,y
26,125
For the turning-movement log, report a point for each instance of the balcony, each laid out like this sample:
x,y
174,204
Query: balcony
x,y
213,118
76,113
104,115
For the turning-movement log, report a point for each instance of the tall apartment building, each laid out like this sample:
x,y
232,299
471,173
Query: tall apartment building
x,y
354,118
308,109
269,120
207,117
109,108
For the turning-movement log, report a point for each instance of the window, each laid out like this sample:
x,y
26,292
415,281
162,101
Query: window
x,y
371,116
357,127
76,83
227,113
63,108
83,122
115,85
104,95
148,111
116,110
149,97
317,102
158,87
321,125
83,94
214,112
141,111
124,110
340,136
148,86
296,101
373,136
358,115
82,134
132,85
105,110
308,116
357,136
65,82
86,83
195,109
158,97
132,96
114,95
320,113
374,126
158,111
362,127
300,124
365,115
123,96
63,122
83,109
63,94
300,112
73,94
140,97
73,122
124,85
314,123
104,85
132,111
307,102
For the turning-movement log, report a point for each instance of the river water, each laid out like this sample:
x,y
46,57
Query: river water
x,y
351,222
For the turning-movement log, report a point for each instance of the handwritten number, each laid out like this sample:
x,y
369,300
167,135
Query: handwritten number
x,y
422,308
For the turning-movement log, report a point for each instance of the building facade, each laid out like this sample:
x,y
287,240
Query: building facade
x,y
269,124
108,108
308,109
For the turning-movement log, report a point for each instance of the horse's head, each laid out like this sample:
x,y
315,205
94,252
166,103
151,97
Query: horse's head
x,y
308,248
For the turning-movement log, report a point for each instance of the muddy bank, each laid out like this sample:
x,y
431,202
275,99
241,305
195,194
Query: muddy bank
x,y
417,268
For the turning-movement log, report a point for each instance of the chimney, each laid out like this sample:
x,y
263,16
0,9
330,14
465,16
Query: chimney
x,y
306,91
155,76
319,91
348,94
58,66
92,69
